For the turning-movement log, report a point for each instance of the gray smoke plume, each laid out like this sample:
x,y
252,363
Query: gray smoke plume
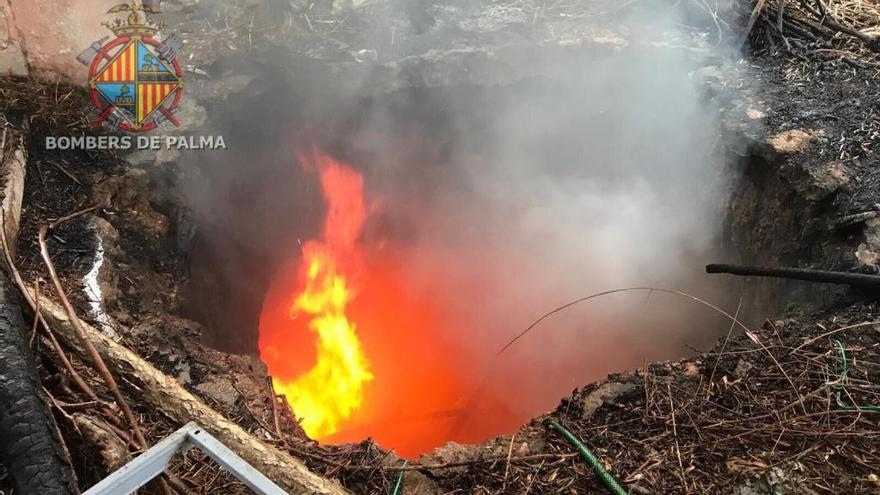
x,y
603,171
516,160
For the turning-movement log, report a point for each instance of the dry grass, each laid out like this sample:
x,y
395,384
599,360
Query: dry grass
x,y
830,29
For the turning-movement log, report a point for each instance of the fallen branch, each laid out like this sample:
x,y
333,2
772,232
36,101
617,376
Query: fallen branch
x,y
163,392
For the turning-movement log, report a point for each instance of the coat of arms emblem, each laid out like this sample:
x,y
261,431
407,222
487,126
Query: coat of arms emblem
x,y
135,80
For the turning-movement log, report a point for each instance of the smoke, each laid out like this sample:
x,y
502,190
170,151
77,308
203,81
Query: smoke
x,y
498,188
524,196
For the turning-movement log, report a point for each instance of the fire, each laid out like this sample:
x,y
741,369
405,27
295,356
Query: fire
x,y
348,297
332,389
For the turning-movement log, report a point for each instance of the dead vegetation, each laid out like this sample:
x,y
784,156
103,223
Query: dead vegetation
x,y
848,30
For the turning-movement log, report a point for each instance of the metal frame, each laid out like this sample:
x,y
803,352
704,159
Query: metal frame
x,y
151,463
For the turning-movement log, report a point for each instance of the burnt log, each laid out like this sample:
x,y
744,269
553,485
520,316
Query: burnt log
x,y
30,447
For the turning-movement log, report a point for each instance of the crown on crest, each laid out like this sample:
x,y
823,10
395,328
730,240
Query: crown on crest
x,y
136,22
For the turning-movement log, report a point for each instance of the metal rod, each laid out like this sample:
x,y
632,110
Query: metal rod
x,y
860,280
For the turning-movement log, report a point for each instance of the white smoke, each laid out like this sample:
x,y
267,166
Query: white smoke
x,y
605,174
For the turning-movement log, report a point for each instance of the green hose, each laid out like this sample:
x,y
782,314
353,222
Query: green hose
x,y
399,483
607,478
843,370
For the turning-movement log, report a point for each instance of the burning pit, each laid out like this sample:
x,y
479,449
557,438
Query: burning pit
x,y
380,247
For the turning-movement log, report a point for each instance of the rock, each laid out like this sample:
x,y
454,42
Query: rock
x,y
220,390
794,140
816,183
130,195
12,60
607,392
184,375
828,179
416,483
109,234
54,32
743,367
868,252
453,452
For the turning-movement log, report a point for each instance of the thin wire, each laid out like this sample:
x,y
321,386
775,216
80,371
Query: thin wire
x,y
615,291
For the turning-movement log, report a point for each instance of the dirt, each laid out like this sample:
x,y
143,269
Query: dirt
x,y
756,414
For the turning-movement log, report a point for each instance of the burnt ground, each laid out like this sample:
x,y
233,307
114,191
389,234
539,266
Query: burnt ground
x,y
763,412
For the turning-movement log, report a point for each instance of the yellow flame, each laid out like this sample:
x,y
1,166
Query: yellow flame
x,y
332,389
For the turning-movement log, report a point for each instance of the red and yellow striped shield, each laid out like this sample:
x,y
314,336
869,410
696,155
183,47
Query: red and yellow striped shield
x,y
150,96
123,68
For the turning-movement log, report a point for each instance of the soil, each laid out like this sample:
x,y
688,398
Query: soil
x,y
757,414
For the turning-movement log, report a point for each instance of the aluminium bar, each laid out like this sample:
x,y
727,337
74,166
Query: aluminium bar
x,y
151,463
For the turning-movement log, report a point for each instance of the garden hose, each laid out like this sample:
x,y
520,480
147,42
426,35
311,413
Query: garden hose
x,y
843,370
607,478
399,484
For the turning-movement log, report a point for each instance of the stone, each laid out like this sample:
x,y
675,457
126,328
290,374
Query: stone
x,y
827,179
743,368
816,183
53,32
12,60
220,390
130,195
868,252
794,140
607,392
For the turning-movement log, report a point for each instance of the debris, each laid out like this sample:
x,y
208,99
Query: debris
x,y
608,392
114,452
220,390
165,393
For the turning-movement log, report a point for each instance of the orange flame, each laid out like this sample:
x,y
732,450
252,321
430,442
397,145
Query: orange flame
x,y
332,389
420,388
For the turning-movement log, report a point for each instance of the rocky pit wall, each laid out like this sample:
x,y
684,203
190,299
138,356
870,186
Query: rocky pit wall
x,y
45,36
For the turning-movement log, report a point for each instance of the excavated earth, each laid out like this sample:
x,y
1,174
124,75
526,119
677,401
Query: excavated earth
x,y
762,412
